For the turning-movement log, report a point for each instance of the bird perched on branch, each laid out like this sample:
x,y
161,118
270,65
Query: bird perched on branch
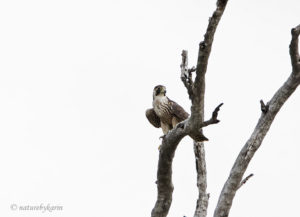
x,y
165,112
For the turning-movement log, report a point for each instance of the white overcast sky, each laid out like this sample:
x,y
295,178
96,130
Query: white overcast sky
x,y
77,76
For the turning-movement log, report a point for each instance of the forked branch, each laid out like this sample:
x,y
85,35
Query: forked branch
x,y
213,119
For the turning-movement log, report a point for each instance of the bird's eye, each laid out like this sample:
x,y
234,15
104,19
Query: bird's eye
x,y
157,91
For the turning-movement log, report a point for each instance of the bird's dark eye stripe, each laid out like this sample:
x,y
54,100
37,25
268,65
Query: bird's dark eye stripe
x,y
157,91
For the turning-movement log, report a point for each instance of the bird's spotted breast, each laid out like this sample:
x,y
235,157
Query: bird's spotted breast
x,y
163,111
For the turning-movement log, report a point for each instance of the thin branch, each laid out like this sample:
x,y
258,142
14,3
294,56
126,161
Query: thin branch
x,y
245,180
264,108
294,53
213,119
196,131
186,73
264,123
193,69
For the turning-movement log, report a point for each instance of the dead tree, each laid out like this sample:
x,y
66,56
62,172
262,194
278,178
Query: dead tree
x,y
194,124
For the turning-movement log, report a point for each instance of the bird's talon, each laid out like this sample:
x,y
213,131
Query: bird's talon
x,y
180,125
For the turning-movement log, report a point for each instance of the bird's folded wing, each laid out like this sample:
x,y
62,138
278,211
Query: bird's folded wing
x,y
153,118
178,111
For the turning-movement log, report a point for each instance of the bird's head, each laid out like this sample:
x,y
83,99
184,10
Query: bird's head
x,y
159,90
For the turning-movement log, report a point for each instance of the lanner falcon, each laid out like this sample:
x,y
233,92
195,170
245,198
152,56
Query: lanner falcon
x,y
165,112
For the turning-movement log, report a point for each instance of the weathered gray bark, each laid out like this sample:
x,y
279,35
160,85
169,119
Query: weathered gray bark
x,y
264,123
203,196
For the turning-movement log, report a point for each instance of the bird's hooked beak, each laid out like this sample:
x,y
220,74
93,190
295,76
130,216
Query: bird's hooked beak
x,y
161,90
164,91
